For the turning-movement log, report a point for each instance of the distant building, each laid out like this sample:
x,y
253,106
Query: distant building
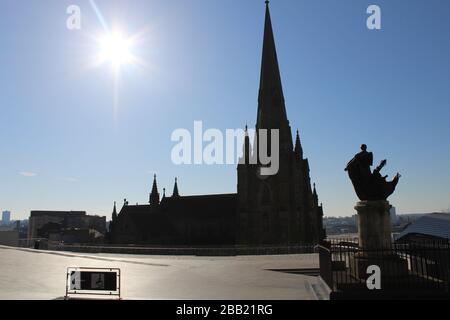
x,y
6,218
393,216
43,223
38,219
76,236
23,229
355,219
432,227
341,225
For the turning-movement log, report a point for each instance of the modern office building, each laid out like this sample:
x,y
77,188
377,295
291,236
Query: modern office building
x,y
6,218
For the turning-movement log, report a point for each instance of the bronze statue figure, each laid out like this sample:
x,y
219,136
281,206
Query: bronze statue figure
x,y
368,185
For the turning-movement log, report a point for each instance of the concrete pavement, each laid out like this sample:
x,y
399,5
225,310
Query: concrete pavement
x,y
31,274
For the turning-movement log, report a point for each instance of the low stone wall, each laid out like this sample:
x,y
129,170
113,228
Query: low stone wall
x,y
9,238
229,251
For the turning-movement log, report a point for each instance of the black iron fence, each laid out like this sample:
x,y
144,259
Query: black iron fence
x,y
403,267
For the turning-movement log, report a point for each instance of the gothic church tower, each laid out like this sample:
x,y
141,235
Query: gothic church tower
x,y
279,209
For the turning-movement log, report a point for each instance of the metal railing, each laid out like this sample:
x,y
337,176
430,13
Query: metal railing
x,y
408,267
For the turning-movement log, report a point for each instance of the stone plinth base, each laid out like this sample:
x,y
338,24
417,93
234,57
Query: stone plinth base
x,y
374,224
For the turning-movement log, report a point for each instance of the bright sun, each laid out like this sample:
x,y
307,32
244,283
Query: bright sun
x,y
115,48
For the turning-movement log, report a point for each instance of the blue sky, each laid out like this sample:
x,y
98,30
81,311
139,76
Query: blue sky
x,y
344,85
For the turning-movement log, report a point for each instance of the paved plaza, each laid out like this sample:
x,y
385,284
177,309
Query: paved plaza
x,y
31,274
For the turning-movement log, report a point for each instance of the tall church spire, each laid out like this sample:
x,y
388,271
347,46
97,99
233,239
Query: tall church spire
x,y
271,108
175,193
154,195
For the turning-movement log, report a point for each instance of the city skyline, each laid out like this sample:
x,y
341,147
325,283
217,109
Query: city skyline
x,y
71,147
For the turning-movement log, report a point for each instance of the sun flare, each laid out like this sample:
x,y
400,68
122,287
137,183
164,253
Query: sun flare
x,y
115,49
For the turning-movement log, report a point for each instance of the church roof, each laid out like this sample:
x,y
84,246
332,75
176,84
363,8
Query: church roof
x,y
202,206
136,209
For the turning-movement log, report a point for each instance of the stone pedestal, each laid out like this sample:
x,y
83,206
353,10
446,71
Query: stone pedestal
x,y
375,242
374,224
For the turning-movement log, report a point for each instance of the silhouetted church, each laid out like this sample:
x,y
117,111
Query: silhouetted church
x,y
281,209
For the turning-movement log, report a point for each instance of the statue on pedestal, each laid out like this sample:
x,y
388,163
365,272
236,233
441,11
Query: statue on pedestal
x,y
374,223
369,185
